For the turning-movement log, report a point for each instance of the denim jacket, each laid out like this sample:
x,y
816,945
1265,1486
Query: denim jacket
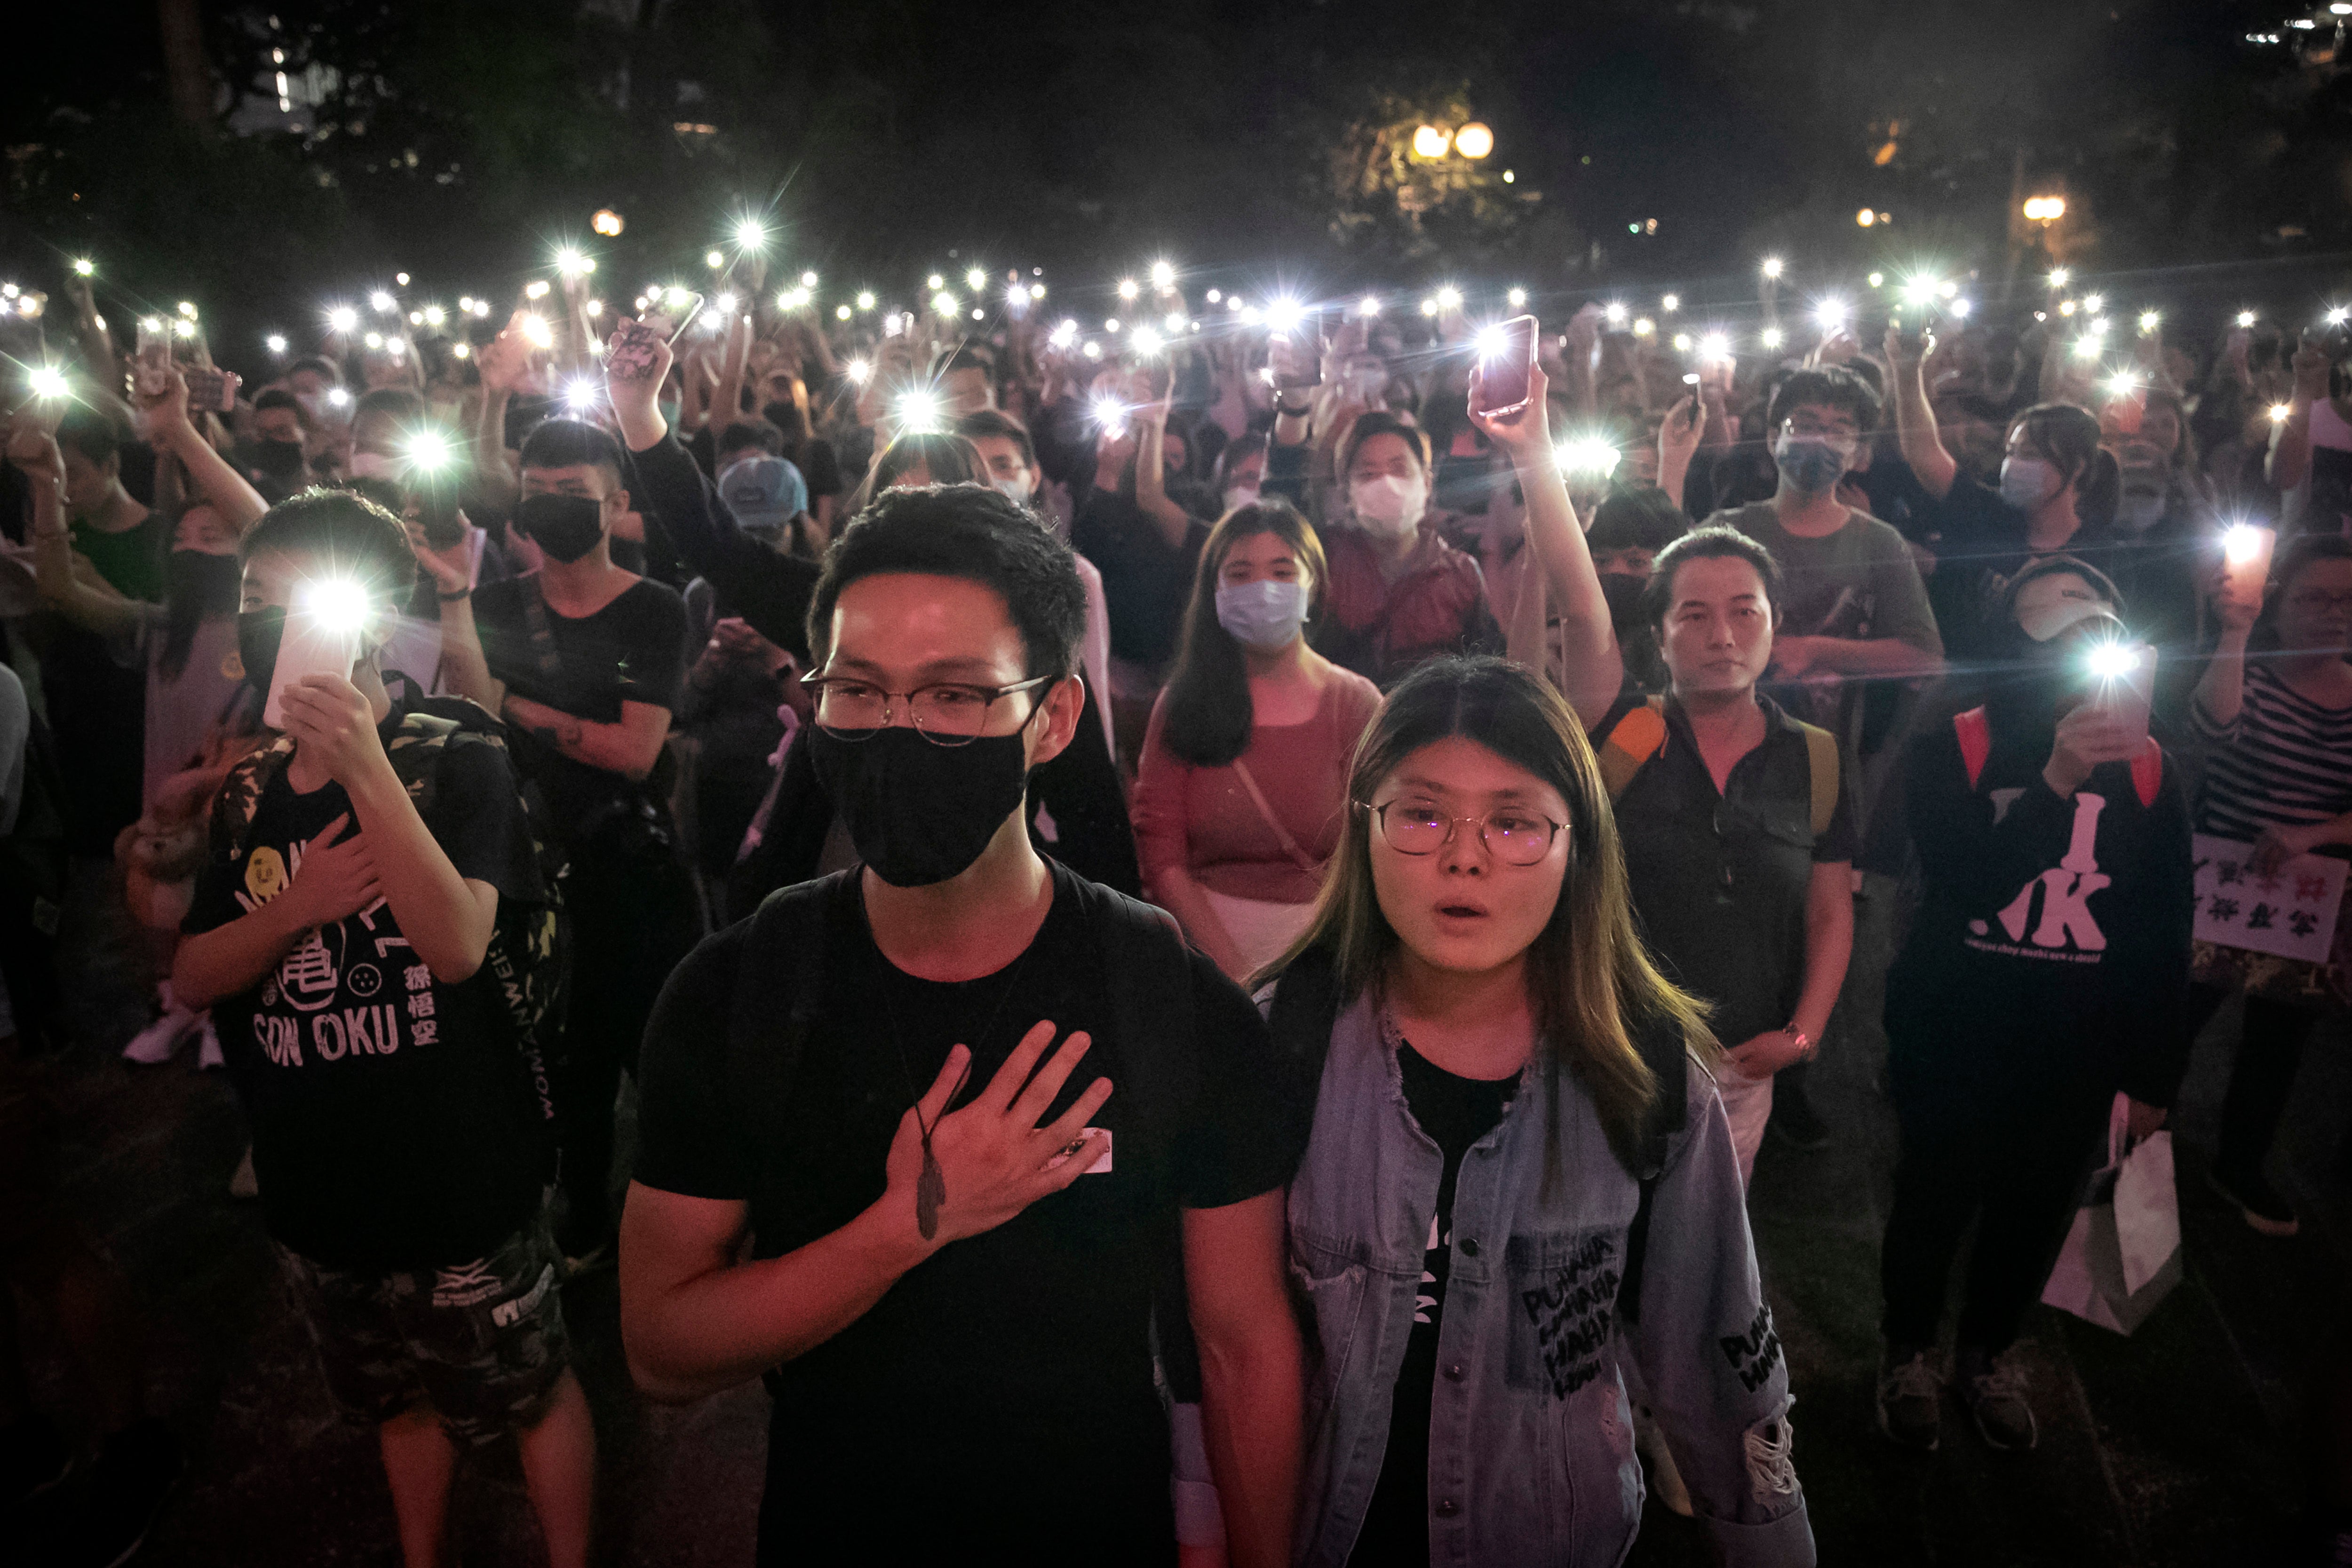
x,y
1532,1441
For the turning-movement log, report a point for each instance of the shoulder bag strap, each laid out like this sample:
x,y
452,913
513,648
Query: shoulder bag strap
x,y
1305,862
1821,765
543,650
1976,741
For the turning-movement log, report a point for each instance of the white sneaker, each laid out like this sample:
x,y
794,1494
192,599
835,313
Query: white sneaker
x,y
154,1044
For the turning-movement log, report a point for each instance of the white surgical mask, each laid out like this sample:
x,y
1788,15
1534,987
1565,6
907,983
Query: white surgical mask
x,y
2027,481
1389,506
1016,488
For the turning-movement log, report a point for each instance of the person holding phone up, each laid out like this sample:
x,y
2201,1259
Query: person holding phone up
x,y
2047,968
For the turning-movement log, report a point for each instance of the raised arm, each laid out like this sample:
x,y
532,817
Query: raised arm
x,y
1915,421
82,598
2288,463
171,429
1595,672
1150,422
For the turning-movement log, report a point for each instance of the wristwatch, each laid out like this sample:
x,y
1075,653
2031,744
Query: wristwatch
x,y
465,592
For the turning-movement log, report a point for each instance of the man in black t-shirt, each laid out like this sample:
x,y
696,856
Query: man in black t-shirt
x,y
341,934
958,1269
585,662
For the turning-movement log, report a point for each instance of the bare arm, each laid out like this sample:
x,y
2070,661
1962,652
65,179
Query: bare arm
x,y
2221,694
1524,640
1915,423
238,503
1151,479
1252,1371
1887,658
1188,901
2288,463
1679,437
1828,943
630,747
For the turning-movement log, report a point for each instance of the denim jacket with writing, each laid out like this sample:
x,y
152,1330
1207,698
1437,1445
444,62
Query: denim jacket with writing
x,y
1531,1444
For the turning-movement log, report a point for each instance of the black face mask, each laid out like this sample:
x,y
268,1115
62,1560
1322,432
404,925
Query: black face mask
x,y
202,584
565,527
276,460
1624,590
920,813
258,634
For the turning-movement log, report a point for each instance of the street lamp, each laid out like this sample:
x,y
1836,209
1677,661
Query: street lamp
x,y
1429,141
2045,209
1474,141
607,222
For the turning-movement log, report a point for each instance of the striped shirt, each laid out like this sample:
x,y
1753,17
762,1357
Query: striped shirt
x,y
2284,759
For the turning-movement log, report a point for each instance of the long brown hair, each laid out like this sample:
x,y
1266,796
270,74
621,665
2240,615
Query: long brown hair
x,y
1591,983
1209,715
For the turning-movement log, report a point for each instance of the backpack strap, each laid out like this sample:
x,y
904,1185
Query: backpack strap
x,y
1630,742
779,985
1667,1055
544,654
1976,741
2147,771
240,795
1821,773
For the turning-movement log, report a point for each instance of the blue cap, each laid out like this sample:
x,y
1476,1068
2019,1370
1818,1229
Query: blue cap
x,y
765,493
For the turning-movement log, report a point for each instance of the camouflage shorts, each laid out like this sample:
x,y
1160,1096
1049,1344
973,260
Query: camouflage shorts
x,y
483,1342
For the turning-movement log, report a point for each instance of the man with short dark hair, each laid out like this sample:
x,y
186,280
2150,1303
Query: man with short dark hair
x,y
966,381
585,660
961,1247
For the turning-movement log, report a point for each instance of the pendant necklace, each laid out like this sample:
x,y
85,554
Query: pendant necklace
x,y
932,1182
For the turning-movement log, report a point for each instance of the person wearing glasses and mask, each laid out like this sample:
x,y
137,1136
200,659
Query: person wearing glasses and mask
x,y
957,1271
1519,1178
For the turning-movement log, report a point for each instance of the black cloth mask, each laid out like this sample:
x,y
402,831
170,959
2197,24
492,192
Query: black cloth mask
x,y
920,813
200,583
1624,590
565,527
280,461
258,634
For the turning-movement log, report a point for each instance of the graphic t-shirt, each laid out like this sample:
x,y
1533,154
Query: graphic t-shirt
x,y
394,1123
1454,1113
633,650
1013,1367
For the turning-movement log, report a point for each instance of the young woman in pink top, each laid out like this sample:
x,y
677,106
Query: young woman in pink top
x,y
1242,792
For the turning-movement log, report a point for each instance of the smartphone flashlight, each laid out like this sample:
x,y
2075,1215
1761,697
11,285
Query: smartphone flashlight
x,y
48,382
1590,454
429,451
1110,414
1146,342
2126,675
536,332
321,638
1614,312
918,412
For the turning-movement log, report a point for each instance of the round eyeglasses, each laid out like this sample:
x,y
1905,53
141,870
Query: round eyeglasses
x,y
945,712
1512,836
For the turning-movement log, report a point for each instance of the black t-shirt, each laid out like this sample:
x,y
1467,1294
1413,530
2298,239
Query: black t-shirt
x,y
394,1125
633,650
1146,583
1005,1386
819,464
1455,1112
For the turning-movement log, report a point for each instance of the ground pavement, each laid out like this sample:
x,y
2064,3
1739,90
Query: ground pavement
x,y
2173,1448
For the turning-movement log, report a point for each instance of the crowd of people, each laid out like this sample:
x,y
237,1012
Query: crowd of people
x,y
1202,928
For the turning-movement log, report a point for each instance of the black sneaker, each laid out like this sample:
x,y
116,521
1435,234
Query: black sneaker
x,y
33,1460
1795,1122
1994,1391
2264,1209
135,1472
1910,1399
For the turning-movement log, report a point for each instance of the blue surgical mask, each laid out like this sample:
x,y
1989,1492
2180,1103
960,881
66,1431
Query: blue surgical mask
x,y
2027,481
1811,464
1264,615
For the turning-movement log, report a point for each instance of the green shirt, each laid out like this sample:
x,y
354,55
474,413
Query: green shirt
x,y
133,561
1858,583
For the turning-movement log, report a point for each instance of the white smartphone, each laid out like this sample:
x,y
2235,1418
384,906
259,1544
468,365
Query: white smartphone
x,y
318,641
2128,685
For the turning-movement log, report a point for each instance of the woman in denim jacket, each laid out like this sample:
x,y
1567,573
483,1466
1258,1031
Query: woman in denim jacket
x,y
1514,1178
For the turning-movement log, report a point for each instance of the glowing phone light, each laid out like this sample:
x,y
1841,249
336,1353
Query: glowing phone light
x,y
2112,661
334,603
1163,275
429,450
535,289
1771,337
48,382
858,370
1518,296
1128,289
1614,312
381,303
2245,317
1449,298
2244,542
975,279
750,236
1368,306
2280,412
535,331
342,318
1671,303
1110,414
85,267
918,412
275,342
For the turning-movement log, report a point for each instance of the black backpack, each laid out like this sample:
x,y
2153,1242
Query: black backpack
x,y
1307,1003
781,975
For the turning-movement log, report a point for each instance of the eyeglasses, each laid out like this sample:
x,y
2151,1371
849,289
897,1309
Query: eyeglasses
x,y
945,712
1512,837
1845,440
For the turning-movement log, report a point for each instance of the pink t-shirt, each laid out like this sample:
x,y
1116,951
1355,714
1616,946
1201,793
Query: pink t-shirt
x,y
1203,820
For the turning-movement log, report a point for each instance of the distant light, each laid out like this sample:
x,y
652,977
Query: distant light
x,y
2245,317
935,282
462,348
1510,176
2088,346
1233,302
275,342
85,267
1449,297
723,301
1163,275
1714,345
535,289
1064,335
48,382
858,371
2066,307
808,280
1830,313
1681,342
1146,342
401,278
977,313
435,316
337,397
2336,316
535,331
1644,328
1771,337
1429,141
1093,350
429,450
918,412
373,339
2122,384
1110,324
1473,139
946,304
1771,267
1368,306
975,278
1173,320
466,302
865,299
2058,277
2149,322
342,318
842,312
1865,217
1878,280
2093,303
1614,312
1518,296
1128,289
1214,296
572,263
607,222
1283,315
1960,307
750,234
381,302
2280,412
1037,291
1671,303
2045,209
